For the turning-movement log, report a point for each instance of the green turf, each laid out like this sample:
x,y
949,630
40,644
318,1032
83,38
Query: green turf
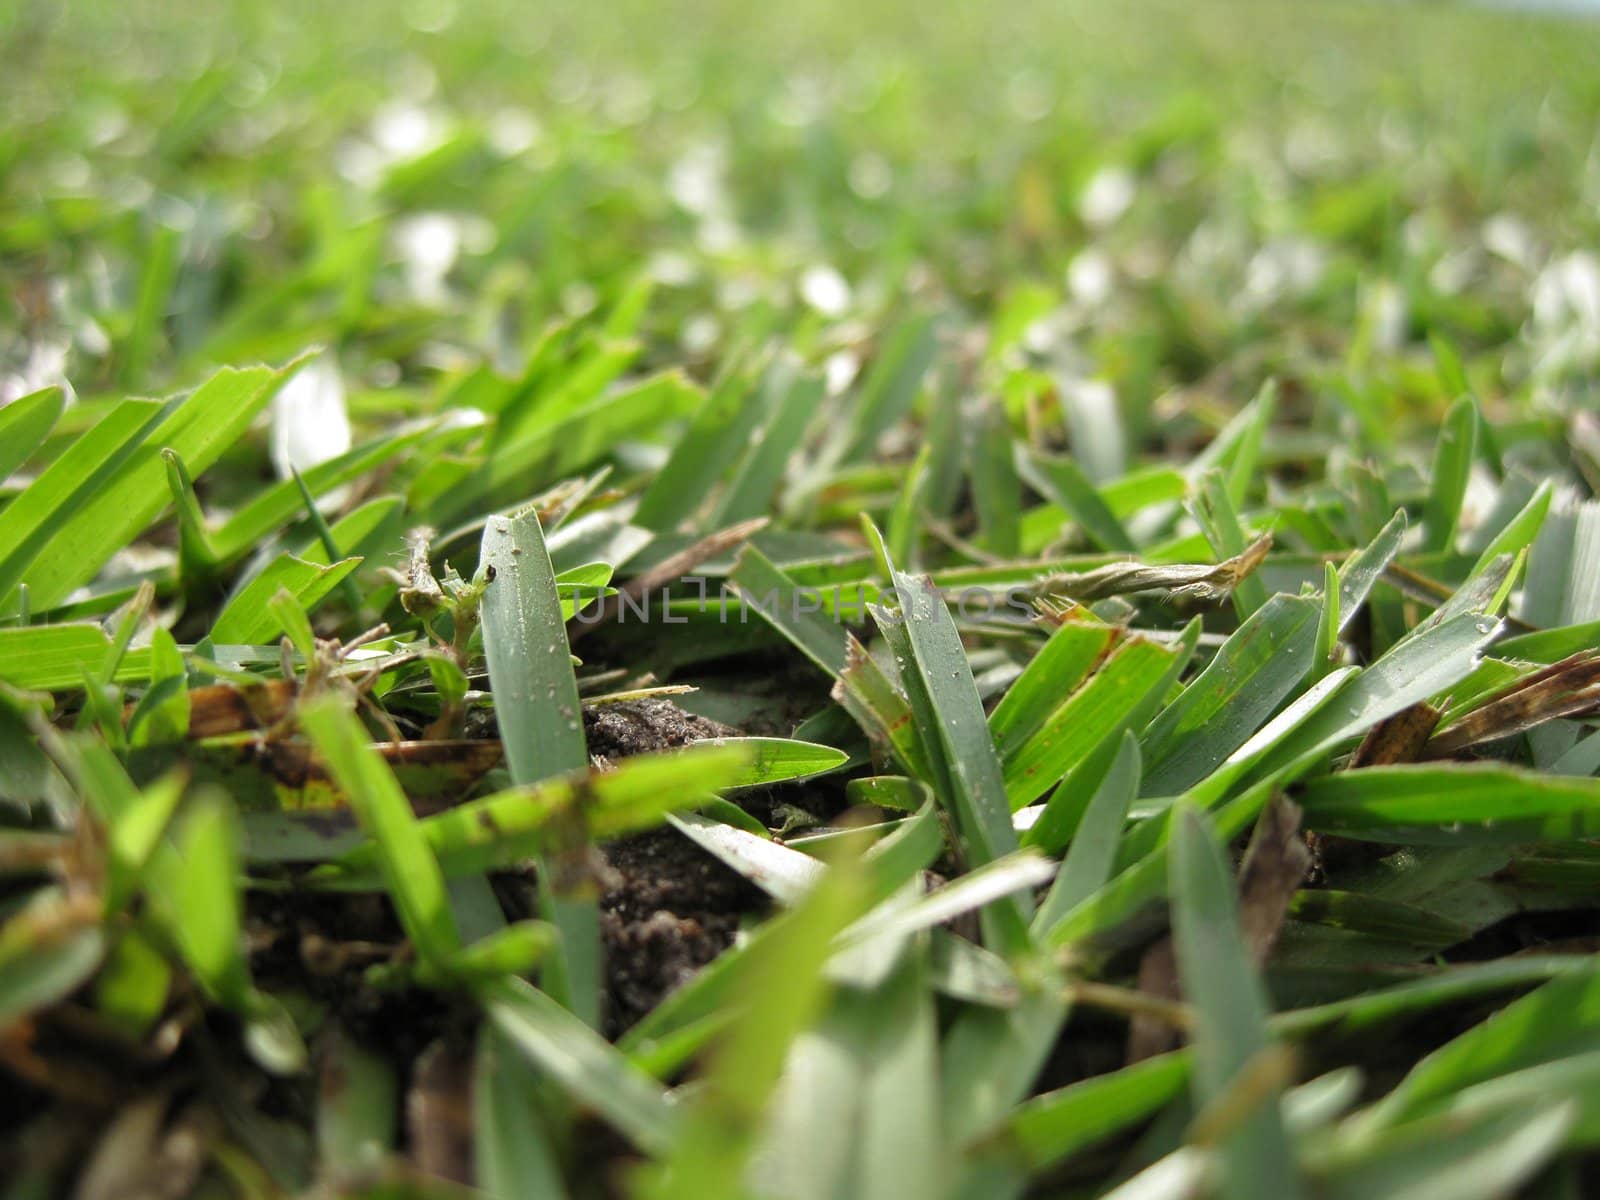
x,y
858,600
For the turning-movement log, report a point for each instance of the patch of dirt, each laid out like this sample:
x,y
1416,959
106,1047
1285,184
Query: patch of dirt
x,y
669,908
640,726
322,943
673,908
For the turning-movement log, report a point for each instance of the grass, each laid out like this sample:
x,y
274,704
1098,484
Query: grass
x,y
871,602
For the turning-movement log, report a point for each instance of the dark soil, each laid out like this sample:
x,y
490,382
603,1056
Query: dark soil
x,y
640,726
672,910
322,943
669,907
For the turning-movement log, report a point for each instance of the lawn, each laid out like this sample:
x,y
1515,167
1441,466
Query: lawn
x,y
853,600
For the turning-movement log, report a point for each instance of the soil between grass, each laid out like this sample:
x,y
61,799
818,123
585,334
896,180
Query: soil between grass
x,y
669,907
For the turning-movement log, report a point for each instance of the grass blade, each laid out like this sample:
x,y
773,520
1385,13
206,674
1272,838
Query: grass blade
x,y
95,524
1230,1014
410,871
1092,853
1458,804
1452,465
579,1061
1244,684
541,725
25,423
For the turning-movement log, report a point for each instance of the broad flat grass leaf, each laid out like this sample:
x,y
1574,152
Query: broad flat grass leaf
x,y
950,719
1559,1020
1092,852
782,603
1455,804
540,719
888,391
1521,531
576,1059
356,1105
248,618
782,989
37,517
1056,1125
1230,1013
89,527
1563,581
1060,666
25,423
777,760
1483,1157
282,503
133,820
513,1154
871,1063
530,668
996,489
1063,482
1084,718
706,449
1423,665
784,874
791,399
1246,681
523,822
1013,873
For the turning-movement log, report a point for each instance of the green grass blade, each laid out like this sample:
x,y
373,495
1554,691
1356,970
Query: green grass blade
x,y
1244,684
541,722
888,392
1459,804
1062,481
576,1059
792,401
1230,1013
1092,853
1453,1159
280,504
410,871
706,451
791,610
513,1154
1052,1127
525,822
782,991
38,517
1214,510
24,425
950,717
248,619
1362,570
1060,666
1452,466
357,1106
1121,687
1424,665
54,657
1521,531
779,760
36,972
996,490
90,529
1560,1019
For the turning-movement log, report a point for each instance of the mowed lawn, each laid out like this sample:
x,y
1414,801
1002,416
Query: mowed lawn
x,y
845,600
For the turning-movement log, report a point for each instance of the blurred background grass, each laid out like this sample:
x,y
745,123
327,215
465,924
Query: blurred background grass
x,y
427,184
